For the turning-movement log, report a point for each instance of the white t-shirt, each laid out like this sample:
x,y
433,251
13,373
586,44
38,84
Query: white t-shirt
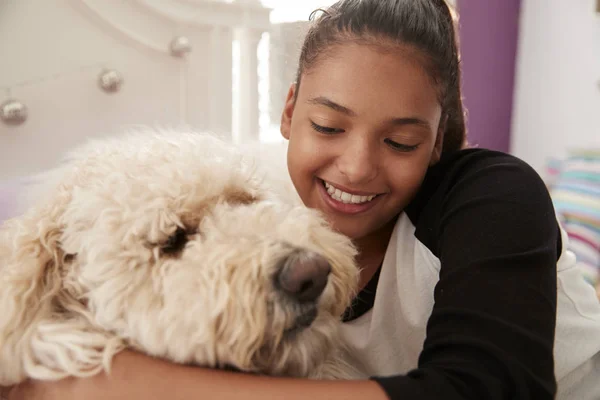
x,y
478,295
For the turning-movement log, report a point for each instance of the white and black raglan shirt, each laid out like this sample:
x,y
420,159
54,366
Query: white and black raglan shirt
x,y
478,296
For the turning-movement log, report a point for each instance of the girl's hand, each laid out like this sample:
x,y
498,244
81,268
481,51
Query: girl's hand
x,y
37,390
74,388
10,393
18,392
4,392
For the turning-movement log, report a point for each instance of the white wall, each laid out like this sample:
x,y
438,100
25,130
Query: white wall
x,y
294,10
286,42
557,95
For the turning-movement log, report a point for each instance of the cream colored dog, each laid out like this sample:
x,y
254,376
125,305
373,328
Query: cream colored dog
x,y
173,245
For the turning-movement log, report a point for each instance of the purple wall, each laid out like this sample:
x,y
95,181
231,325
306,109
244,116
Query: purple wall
x,y
488,40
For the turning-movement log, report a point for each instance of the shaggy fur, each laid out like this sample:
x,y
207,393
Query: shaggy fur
x,y
166,243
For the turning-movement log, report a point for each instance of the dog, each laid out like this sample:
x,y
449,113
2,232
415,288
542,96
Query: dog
x,y
173,244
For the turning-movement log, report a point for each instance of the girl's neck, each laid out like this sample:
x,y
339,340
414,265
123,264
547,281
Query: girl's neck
x,y
371,251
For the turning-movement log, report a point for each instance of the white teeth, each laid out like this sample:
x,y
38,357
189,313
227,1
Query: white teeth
x,y
344,197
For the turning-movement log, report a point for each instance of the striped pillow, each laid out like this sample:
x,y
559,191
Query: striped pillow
x,y
576,196
552,171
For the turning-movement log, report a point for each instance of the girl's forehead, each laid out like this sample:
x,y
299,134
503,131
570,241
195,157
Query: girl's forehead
x,y
369,50
364,74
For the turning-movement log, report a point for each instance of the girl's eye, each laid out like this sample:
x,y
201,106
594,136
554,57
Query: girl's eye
x,y
401,147
324,129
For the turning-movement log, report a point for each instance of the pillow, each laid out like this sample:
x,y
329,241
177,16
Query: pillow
x,y
575,192
552,171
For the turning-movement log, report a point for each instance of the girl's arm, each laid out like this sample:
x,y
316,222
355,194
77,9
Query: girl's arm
x,y
136,376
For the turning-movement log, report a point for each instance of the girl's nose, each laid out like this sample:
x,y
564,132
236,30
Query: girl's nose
x,y
359,162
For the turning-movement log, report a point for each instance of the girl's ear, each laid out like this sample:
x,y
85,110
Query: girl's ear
x,y
288,111
436,153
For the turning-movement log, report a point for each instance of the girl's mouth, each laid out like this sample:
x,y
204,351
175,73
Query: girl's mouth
x,y
345,202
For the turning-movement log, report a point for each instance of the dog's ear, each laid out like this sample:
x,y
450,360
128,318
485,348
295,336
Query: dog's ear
x,y
45,331
30,275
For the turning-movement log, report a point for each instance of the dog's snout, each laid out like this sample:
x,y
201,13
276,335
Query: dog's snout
x,y
303,276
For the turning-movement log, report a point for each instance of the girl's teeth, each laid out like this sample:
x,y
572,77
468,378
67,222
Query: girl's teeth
x,y
346,198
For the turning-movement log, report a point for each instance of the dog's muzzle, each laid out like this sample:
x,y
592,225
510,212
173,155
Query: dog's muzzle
x,y
303,276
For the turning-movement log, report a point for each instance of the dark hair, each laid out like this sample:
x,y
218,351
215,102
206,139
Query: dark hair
x,y
425,25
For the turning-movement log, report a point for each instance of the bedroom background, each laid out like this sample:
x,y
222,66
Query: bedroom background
x,y
75,69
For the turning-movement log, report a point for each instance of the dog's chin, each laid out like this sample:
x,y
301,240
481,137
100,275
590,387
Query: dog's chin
x,y
304,320
299,348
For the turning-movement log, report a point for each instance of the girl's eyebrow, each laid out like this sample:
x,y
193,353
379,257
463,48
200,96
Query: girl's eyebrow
x,y
409,121
324,101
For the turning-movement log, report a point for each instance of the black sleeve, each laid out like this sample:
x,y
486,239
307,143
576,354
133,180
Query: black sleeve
x,y
491,332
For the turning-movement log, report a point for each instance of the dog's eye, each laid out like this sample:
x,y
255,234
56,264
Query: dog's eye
x,y
68,258
175,243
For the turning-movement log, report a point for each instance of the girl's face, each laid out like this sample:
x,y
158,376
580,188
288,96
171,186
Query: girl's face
x,y
363,131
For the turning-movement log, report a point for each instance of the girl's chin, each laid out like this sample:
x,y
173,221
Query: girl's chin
x,y
362,229
346,228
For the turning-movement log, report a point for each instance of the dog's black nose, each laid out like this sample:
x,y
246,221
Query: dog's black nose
x,y
303,276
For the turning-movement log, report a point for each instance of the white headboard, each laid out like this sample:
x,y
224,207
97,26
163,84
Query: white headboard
x,y
54,51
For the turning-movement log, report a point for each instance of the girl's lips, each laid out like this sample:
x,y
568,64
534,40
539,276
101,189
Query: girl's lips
x,y
347,190
344,208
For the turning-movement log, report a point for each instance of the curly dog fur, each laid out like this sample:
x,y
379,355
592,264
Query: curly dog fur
x,y
167,243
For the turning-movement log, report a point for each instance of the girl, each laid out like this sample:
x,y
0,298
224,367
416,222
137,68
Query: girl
x,y
468,292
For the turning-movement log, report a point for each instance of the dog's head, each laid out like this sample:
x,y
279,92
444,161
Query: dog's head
x,y
173,244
